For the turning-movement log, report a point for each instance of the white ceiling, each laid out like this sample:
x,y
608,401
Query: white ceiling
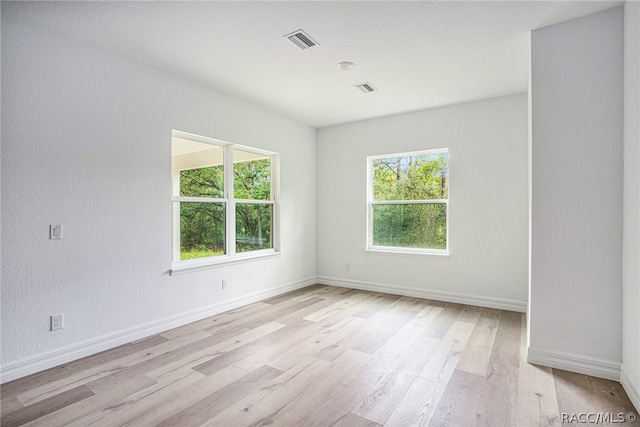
x,y
418,54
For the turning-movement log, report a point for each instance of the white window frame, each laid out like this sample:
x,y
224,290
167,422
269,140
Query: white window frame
x,y
396,250
231,256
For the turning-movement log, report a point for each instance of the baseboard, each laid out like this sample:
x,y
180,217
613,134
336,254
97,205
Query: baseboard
x,y
632,389
39,362
498,303
595,367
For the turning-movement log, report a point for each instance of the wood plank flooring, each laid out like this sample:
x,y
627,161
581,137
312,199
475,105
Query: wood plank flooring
x,y
319,356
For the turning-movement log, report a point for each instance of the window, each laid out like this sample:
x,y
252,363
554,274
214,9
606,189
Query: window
x,y
224,201
408,202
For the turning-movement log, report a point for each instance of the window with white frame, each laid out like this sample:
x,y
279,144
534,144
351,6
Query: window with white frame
x,y
224,200
408,202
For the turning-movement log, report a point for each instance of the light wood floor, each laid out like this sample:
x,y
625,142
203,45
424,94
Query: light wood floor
x,y
319,356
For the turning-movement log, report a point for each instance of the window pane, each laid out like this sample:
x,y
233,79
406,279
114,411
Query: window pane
x,y
199,167
253,227
410,225
201,230
251,175
203,182
412,177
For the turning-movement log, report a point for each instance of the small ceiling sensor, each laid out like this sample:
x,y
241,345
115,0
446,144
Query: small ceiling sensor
x,y
345,65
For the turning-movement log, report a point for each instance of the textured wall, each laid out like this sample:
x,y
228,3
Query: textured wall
x,y
488,200
576,240
86,142
631,220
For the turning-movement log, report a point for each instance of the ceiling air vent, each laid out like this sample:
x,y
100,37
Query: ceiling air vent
x,y
366,87
301,39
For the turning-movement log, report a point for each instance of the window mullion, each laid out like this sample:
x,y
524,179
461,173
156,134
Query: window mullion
x,y
255,201
230,226
198,199
409,202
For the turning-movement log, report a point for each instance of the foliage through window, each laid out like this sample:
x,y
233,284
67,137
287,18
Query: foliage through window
x,y
408,200
252,184
223,199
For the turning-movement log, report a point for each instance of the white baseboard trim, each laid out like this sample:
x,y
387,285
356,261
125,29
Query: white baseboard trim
x,y
595,367
481,301
39,362
632,388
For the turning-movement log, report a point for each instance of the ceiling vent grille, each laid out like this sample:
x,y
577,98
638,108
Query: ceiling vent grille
x,y
301,39
366,87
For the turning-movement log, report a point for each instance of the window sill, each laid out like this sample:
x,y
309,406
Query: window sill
x,y
405,253
183,267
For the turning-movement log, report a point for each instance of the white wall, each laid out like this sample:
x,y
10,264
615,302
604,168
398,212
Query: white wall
x,y
488,203
576,241
630,375
86,142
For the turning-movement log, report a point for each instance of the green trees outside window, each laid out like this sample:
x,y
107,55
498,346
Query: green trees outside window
x,y
202,230
409,200
202,225
252,181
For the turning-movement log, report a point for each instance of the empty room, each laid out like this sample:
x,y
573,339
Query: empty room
x,y
320,213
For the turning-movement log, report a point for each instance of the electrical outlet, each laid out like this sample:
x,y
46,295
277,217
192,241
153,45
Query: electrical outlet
x,y
56,322
224,283
347,266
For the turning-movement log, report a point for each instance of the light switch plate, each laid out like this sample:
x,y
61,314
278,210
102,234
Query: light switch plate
x,y
55,232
